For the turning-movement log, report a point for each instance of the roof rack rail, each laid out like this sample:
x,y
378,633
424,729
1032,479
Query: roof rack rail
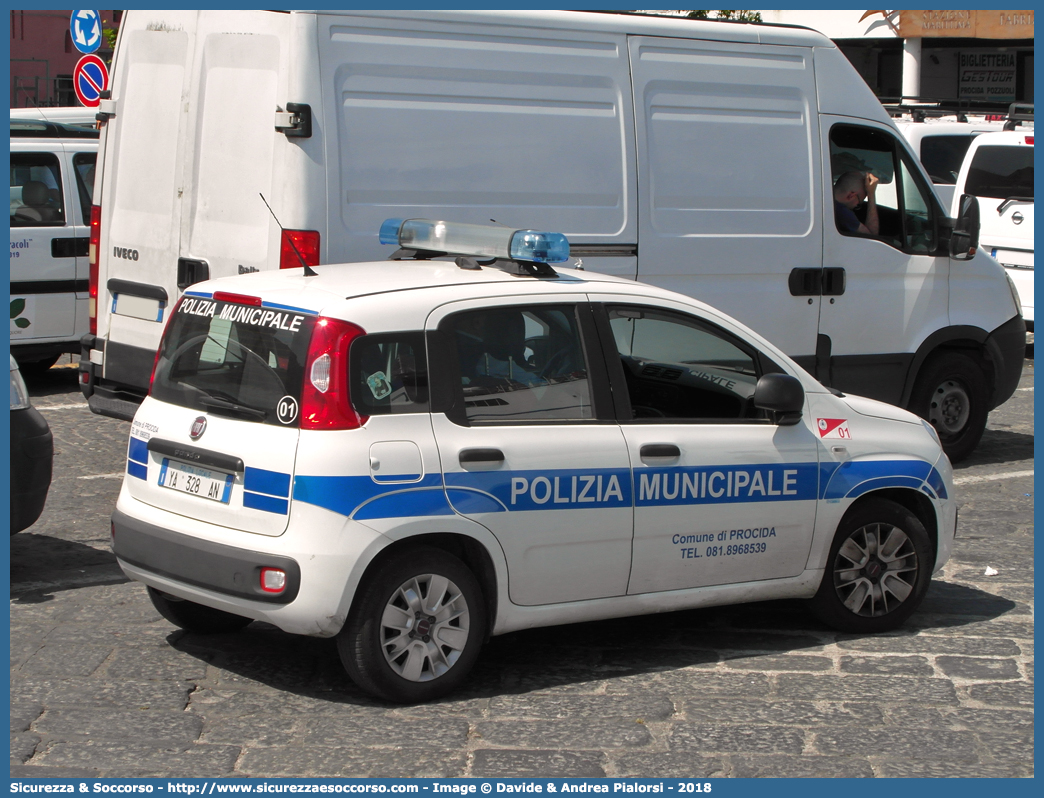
x,y
33,128
922,108
1018,112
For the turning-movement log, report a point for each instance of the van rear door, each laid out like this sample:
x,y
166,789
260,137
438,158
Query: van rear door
x,y
141,189
190,151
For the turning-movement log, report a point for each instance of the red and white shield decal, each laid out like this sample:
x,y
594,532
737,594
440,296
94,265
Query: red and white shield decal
x,y
833,428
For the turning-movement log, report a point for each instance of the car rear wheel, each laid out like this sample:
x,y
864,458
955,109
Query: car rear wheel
x,y
193,617
37,367
878,570
951,394
416,628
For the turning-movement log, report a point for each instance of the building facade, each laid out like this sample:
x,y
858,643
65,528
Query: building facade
x,y
43,57
972,57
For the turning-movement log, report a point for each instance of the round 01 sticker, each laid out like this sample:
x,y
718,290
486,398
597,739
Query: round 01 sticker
x,y
286,410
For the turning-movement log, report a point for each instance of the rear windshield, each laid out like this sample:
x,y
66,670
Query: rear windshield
x,y
942,156
236,360
1001,172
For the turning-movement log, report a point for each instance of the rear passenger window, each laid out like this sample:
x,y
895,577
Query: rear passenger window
x,y
389,374
521,364
36,190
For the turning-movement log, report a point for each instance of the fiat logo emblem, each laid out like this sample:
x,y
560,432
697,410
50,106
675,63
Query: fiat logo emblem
x,y
199,426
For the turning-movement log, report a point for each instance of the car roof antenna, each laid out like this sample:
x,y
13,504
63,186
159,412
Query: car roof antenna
x,y
308,270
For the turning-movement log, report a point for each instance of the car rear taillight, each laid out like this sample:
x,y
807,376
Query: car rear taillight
x,y
325,403
94,242
1029,140
306,243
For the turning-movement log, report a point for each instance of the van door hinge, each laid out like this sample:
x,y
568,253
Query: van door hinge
x,y
106,109
295,121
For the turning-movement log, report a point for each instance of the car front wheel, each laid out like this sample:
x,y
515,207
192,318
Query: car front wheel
x,y
878,570
416,628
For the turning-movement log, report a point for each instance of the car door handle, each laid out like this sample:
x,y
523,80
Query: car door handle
x,y
481,456
660,450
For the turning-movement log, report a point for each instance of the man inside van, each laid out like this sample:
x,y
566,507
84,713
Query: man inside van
x,y
849,191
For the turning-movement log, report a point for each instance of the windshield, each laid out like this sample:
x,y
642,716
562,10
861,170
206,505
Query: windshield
x,y
1001,172
242,361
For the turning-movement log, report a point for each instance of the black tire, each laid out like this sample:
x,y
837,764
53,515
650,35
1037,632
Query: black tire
x,y
864,591
442,643
193,617
951,394
35,368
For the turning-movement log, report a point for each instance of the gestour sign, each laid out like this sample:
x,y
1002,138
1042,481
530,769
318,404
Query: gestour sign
x,y
966,24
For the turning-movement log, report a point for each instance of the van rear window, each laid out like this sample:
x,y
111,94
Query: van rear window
x,y
236,360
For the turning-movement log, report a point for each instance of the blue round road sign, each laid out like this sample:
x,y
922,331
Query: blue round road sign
x,y
86,30
90,79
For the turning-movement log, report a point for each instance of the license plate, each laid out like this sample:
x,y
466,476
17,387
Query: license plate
x,y
196,481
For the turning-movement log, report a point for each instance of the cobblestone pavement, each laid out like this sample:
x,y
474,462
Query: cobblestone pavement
x,y
102,686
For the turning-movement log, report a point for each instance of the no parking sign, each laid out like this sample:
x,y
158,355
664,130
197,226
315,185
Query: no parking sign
x,y
90,79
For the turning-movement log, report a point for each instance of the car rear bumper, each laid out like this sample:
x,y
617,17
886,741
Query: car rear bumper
x,y
203,563
323,554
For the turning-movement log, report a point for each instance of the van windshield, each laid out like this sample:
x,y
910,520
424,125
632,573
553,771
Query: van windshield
x,y
242,361
1001,172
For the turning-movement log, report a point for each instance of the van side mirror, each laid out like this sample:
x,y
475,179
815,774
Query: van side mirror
x,y
965,237
783,395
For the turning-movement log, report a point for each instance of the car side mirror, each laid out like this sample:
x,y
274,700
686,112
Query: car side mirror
x,y
965,237
783,395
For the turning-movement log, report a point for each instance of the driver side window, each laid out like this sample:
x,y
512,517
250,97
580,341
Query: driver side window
x,y
904,206
678,368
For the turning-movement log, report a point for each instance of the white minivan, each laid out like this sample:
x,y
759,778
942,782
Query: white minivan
x,y
52,178
698,156
998,172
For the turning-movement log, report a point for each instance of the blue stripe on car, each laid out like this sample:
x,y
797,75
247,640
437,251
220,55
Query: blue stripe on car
x,y
138,451
269,504
274,483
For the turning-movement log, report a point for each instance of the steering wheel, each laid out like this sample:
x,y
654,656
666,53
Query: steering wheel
x,y
554,363
644,411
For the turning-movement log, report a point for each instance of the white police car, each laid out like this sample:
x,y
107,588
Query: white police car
x,y
415,454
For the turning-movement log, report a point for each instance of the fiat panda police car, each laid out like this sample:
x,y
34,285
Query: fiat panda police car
x,y
416,454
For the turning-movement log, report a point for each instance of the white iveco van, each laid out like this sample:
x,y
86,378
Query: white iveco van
x,y
698,156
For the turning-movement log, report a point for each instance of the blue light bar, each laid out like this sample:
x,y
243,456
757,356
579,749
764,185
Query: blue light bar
x,y
478,240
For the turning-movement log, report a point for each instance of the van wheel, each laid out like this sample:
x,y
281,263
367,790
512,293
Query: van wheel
x,y
878,570
416,628
951,394
193,617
